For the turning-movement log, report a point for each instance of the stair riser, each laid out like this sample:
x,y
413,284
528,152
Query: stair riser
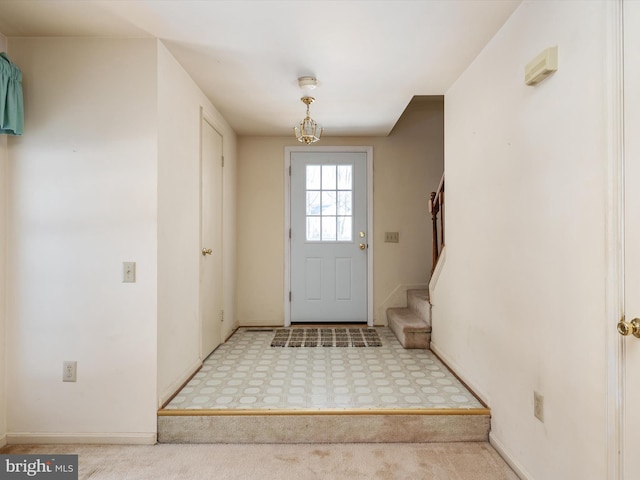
x,y
417,340
323,428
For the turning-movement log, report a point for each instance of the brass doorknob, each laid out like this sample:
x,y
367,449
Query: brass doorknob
x,y
629,328
362,246
206,251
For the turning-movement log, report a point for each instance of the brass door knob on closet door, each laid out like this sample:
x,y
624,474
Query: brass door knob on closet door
x,y
206,251
629,328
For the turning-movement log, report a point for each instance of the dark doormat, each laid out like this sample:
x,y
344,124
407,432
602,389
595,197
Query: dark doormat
x,y
326,337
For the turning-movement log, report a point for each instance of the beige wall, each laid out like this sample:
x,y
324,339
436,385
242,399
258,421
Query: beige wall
x,y
107,171
520,303
3,236
407,166
83,199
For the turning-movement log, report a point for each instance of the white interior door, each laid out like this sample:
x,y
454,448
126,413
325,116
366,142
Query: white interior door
x,y
329,244
631,344
211,313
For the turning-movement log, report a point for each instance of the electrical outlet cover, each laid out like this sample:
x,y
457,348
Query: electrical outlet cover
x,y
69,371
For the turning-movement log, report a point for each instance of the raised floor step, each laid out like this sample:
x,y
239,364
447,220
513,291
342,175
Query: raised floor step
x,y
324,427
250,392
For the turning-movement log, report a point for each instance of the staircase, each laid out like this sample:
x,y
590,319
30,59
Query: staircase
x,y
412,324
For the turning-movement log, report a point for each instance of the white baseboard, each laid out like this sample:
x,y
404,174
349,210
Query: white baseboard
x,y
149,438
230,331
459,372
507,457
177,383
3,440
495,442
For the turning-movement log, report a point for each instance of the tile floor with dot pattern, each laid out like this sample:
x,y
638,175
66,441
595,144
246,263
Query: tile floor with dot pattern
x,y
247,373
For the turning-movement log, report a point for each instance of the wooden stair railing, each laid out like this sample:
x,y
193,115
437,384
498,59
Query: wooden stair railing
x,y
436,206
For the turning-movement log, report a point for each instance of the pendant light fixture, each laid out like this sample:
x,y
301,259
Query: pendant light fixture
x,y
307,131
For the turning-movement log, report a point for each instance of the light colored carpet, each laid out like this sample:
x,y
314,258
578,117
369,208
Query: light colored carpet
x,y
435,461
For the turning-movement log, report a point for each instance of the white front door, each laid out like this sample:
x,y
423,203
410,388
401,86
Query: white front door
x,y
631,344
329,237
211,243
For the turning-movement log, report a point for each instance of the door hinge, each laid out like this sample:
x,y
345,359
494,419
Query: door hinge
x,y
222,315
289,295
222,159
289,170
289,233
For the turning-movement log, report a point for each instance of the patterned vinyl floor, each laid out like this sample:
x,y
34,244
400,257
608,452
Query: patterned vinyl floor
x,y
246,372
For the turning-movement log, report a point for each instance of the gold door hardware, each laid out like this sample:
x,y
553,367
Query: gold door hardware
x,y
363,246
629,328
206,251
362,234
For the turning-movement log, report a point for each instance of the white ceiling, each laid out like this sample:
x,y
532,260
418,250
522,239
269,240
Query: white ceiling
x,y
370,57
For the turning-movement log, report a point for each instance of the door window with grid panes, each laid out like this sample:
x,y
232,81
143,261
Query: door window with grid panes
x,y
329,203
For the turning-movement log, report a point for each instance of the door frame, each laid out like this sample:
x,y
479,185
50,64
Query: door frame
x,y
614,238
288,151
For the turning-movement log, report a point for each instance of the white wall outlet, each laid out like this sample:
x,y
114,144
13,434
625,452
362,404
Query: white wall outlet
x,y
128,272
69,370
538,406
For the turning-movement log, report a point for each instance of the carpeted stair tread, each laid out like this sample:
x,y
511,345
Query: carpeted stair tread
x,y
412,324
408,320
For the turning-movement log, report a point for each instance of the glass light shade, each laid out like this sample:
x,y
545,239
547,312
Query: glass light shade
x,y
308,131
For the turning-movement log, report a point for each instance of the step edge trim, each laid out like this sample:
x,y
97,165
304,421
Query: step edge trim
x,y
281,412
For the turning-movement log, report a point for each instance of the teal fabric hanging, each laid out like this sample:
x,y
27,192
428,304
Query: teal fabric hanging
x,y
11,105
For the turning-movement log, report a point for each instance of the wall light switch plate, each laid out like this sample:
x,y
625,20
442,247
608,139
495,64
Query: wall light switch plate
x,y
392,237
128,272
